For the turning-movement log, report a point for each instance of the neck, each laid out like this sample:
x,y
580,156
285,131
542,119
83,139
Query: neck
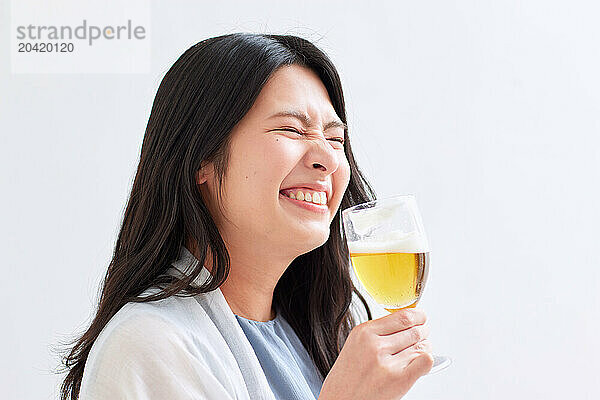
x,y
251,282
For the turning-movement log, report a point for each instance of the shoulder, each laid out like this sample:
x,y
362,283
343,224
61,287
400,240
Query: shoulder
x,y
140,327
140,333
170,320
149,347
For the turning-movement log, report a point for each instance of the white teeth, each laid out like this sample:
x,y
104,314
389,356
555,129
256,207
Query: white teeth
x,y
316,197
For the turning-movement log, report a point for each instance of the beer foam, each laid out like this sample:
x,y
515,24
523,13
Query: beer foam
x,y
365,220
393,242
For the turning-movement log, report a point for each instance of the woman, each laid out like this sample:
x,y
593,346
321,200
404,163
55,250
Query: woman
x,y
230,275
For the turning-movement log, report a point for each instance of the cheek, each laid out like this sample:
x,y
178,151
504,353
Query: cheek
x,y
280,154
260,167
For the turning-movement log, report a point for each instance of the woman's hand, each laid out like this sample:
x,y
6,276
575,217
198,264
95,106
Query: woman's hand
x,y
381,359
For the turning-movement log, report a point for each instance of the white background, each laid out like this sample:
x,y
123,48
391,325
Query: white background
x,y
488,111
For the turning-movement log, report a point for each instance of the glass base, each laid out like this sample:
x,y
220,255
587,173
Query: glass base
x,y
439,363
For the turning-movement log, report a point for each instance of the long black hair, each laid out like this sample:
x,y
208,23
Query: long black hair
x,y
206,92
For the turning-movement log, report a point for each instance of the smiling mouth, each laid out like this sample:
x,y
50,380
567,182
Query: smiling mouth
x,y
305,194
310,206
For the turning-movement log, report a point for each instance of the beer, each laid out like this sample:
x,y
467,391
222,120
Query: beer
x,y
393,268
389,253
394,280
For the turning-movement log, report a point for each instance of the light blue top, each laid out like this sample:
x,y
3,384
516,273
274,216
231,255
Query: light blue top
x,y
291,373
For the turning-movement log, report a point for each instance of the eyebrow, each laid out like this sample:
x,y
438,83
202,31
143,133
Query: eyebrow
x,y
307,121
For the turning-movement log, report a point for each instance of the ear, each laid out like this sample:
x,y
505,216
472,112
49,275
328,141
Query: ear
x,y
203,173
201,177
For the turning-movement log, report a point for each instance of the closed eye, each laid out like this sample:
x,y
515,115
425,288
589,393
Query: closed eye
x,y
290,130
336,139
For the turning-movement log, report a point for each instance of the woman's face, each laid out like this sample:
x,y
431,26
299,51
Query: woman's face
x,y
270,153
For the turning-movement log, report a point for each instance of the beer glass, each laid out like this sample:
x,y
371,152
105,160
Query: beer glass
x,y
389,252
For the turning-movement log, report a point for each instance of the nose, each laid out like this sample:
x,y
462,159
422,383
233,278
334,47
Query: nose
x,y
323,157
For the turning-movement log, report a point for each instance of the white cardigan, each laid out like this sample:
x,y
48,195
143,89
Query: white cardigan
x,y
175,348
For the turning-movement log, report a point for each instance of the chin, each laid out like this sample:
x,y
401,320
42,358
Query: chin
x,y
317,240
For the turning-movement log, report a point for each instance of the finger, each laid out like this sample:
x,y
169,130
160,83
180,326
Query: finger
x,y
424,346
402,359
399,321
403,340
419,366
